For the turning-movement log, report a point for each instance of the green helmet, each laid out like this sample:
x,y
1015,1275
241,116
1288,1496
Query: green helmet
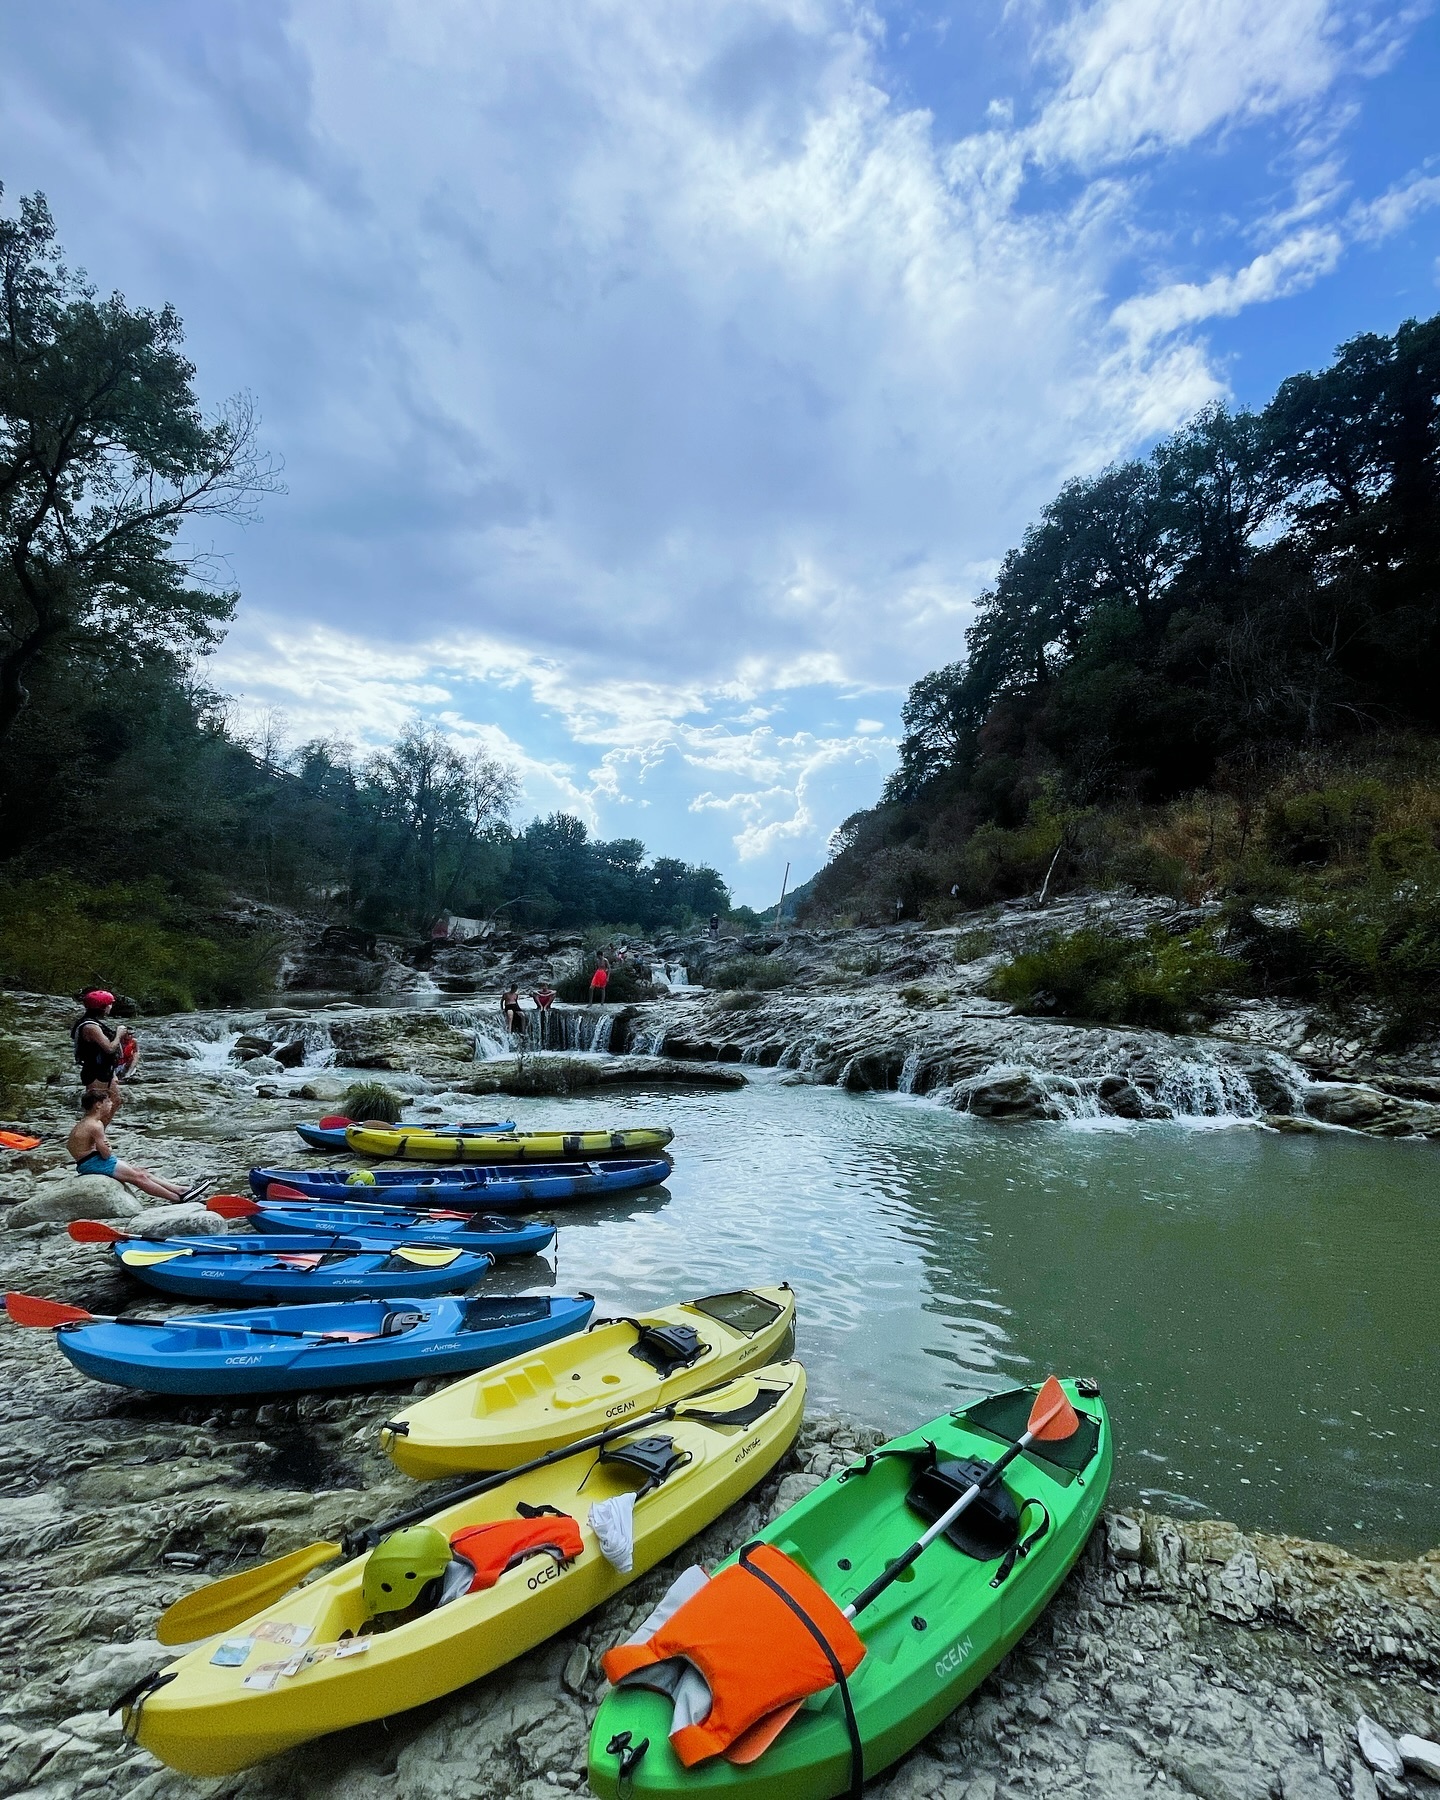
x,y
400,1566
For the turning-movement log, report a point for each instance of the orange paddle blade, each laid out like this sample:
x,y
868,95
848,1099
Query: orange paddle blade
x,y
232,1206
1052,1417
95,1231
30,1309
751,1745
279,1190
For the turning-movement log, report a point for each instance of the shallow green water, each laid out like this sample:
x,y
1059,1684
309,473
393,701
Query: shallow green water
x,y
1262,1311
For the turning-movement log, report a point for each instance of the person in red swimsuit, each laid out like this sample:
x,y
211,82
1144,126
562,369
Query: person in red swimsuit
x,y
599,981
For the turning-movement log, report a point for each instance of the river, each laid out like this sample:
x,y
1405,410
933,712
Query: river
x,y
1263,1310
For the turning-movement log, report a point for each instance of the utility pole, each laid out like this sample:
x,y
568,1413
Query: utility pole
x,y
780,905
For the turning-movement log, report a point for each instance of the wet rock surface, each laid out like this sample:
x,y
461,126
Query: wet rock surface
x,y
1180,1657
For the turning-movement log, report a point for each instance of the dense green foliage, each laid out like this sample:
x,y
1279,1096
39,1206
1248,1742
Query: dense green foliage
x,y
760,974
131,806
1159,980
1261,589
626,984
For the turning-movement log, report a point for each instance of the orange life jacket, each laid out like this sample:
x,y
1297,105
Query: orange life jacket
x,y
496,1547
17,1140
751,1645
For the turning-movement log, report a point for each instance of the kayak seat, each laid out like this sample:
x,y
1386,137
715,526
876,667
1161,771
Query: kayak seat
x,y
653,1457
396,1324
989,1526
496,1315
668,1348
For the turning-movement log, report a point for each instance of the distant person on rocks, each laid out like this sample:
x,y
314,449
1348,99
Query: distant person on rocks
x,y
714,927
90,1147
103,1049
599,982
510,1010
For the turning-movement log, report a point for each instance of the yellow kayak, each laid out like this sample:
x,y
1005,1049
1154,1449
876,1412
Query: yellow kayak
x,y
307,1665
520,1409
419,1145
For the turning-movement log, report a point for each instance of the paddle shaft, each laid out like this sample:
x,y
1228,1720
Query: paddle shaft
x,y
206,1325
243,1249
369,1535
897,1568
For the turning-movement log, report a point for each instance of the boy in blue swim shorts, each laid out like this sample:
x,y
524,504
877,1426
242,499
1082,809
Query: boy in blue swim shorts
x,y
90,1147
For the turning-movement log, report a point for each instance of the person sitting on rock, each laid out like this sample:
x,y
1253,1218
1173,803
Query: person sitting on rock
x,y
103,1049
90,1147
544,996
510,1010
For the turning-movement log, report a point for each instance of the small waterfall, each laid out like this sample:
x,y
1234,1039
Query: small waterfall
x,y
319,1048
909,1069
650,1043
673,977
487,1030
208,1052
1195,1088
600,1039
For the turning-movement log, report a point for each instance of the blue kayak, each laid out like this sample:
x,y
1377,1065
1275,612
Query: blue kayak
x,y
488,1234
332,1137
349,1344
299,1266
472,1187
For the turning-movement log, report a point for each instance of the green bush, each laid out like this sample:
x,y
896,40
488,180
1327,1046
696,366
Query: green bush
x,y
626,986
1331,824
1159,980
759,974
373,1100
57,936
971,945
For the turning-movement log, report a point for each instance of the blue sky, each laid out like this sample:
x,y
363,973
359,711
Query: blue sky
x,y
657,382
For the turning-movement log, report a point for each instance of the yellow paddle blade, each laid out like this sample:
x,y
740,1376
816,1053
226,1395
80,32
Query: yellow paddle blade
x,y
427,1259
230,1601
142,1259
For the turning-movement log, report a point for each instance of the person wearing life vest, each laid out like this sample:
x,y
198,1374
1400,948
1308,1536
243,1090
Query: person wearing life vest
x,y
103,1049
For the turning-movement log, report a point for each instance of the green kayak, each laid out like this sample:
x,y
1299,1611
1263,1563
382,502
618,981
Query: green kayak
x,y
933,1635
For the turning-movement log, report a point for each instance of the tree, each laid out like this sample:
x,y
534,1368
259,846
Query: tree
x,y
445,802
103,452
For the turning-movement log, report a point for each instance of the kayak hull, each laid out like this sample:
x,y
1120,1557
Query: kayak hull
x,y
332,1137
418,1145
487,1236
206,1721
931,1638
531,1405
487,1189
358,1268
215,1356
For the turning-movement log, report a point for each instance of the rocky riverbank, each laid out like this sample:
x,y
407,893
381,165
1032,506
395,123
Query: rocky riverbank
x,y
1180,1657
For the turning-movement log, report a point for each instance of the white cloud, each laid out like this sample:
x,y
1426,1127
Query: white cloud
x,y
641,369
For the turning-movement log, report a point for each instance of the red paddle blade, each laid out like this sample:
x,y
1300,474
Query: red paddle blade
x,y
94,1231
30,1309
232,1206
279,1190
1052,1417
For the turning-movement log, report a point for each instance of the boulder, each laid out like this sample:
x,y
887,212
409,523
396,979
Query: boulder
x,y
78,1197
187,1219
251,1044
1359,1107
1120,1097
264,1065
290,1056
1014,1094
1419,1753
325,1089
1378,1747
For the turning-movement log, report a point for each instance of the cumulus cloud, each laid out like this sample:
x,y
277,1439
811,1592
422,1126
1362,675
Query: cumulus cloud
x,y
656,380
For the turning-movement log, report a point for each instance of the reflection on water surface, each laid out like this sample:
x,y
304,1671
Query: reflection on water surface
x,y
1263,1310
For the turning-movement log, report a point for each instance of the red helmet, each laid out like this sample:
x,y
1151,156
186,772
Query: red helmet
x,y
94,998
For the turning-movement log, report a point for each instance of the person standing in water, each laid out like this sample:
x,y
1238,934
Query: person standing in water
x,y
90,1147
103,1048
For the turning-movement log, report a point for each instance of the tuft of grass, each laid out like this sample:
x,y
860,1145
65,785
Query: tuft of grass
x,y
738,1000
1160,980
373,1100
757,974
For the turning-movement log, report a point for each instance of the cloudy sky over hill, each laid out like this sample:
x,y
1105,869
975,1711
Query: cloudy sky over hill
x,y
658,382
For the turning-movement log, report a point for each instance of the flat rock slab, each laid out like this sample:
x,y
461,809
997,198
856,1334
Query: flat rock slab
x,y
575,1074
